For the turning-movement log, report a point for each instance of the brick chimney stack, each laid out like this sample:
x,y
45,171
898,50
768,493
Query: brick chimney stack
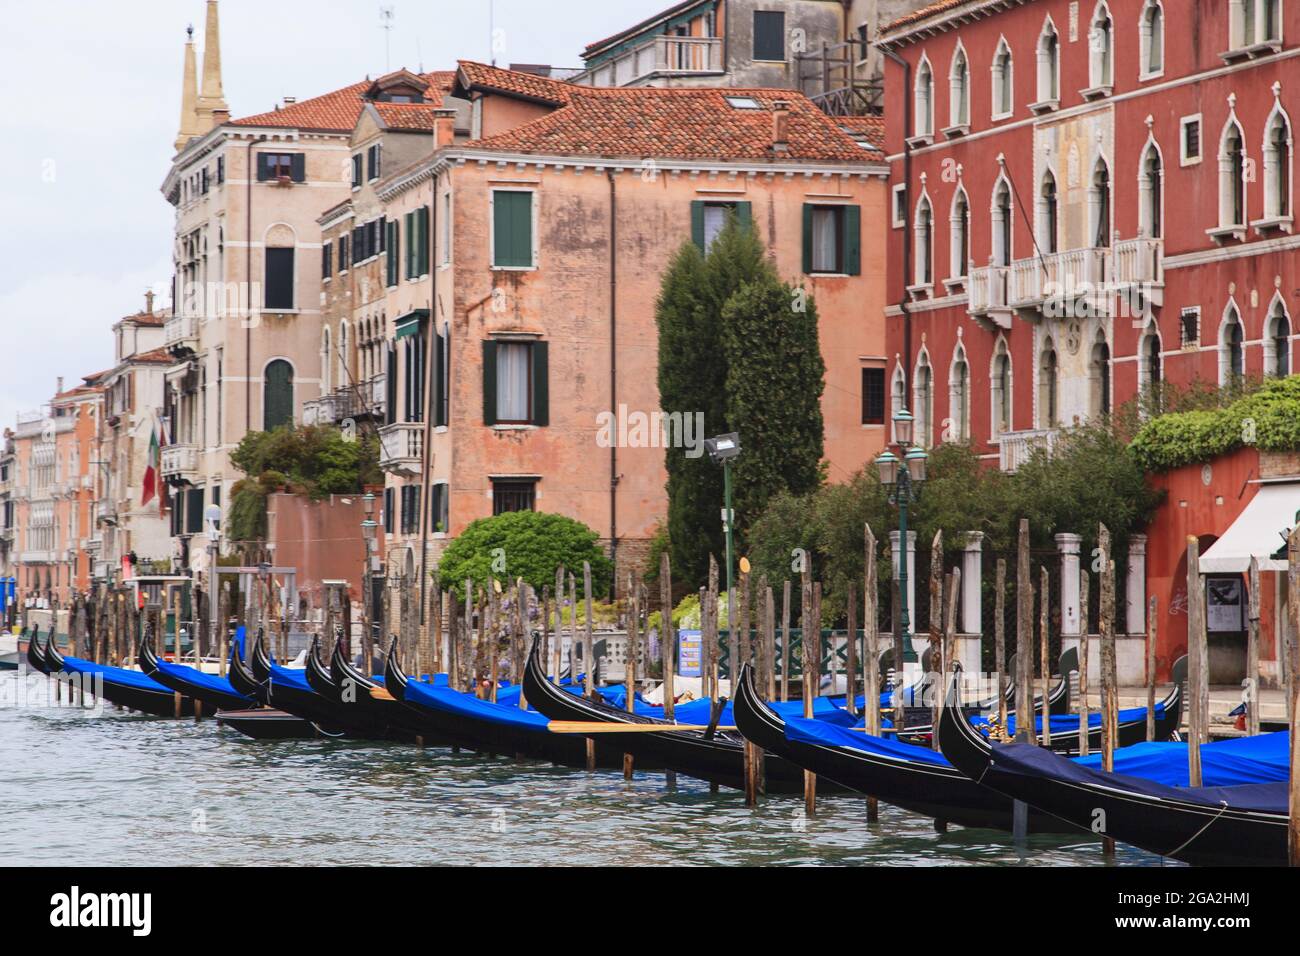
x,y
444,128
148,302
780,126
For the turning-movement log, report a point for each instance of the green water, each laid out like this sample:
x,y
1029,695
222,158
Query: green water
x,y
116,789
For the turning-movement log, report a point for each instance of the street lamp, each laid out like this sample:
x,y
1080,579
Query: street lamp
x,y
903,475
721,450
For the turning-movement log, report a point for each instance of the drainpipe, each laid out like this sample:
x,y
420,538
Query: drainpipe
x,y
430,401
907,223
248,282
613,376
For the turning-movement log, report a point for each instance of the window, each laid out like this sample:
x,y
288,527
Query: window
x,y
1232,177
1048,217
414,378
1151,194
1002,224
1101,52
897,397
1277,342
326,361
1232,356
923,100
743,103
390,525
873,396
391,272
1100,377
441,379
515,383
959,233
373,162
898,211
512,229
709,218
326,260
276,166
769,35
959,397
1047,386
278,292
959,90
417,243
439,506
923,401
1099,205
513,495
410,509
1190,140
1254,23
1277,167
1151,30
1003,96
221,170
832,239
923,229
1049,64
277,395
446,229
1189,327
357,171
1151,369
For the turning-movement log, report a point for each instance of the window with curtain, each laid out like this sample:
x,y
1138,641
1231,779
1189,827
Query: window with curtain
x,y
959,90
1151,195
1048,215
960,235
1153,38
923,100
514,385
1047,386
826,239
1277,168
1003,100
1232,179
1049,54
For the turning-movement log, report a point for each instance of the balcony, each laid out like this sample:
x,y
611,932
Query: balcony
x,y
1058,278
367,399
180,461
1140,264
401,448
181,333
322,411
987,297
1015,448
657,57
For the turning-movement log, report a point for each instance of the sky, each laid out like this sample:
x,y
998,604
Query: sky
x,y
89,107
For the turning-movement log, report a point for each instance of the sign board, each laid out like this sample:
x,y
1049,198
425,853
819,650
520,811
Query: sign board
x,y
1224,600
689,646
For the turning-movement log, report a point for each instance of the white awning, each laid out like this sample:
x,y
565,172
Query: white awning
x,y
1257,532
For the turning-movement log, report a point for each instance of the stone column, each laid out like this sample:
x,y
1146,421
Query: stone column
x,y
1071,618
971,583
1136,592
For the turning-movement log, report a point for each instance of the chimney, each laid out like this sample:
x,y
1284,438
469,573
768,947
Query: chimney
x,y
290,100
444,128
780,126
148,302
59,390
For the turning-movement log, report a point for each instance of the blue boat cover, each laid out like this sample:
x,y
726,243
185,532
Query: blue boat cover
x,y
114,675
1064,723
1027,760
1224,763
196,677
467,705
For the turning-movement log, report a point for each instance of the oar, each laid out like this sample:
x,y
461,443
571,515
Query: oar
x,y
598,727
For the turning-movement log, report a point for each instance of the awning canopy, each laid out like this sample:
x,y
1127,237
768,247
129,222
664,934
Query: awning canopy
x,y
410,323
1258,532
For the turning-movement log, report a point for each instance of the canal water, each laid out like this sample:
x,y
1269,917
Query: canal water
x,y
108,788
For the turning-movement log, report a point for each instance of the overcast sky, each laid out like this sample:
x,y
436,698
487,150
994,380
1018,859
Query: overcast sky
x,y
89,106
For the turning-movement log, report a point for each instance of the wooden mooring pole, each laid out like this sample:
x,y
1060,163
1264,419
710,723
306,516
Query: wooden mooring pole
x,y
1152,624
667,648
1290,680
1196,662
1000,640
807,626
870,654
589,656
1044,656
1109,675
1085,642
1252,652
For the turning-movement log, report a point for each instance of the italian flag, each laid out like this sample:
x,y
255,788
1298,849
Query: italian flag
x,y
151,469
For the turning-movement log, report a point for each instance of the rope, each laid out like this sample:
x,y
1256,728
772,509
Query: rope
x,y
1223,805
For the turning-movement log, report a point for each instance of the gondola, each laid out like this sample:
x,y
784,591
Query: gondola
x,y
36,654
261,722
1213,826
350,702
463,720
368,695
289,691
212,691
126,688
905,775
718,758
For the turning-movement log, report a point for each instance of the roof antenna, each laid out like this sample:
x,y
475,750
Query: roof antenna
x,y
492,32
386,24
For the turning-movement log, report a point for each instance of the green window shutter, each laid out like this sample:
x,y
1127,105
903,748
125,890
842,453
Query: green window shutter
x,y
439,380
807,237
277,395
409,220
697,224
541,385
853,240
390,252
424,240
489,382
512,229
745,214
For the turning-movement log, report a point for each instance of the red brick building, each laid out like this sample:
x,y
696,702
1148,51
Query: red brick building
x,y
1087,197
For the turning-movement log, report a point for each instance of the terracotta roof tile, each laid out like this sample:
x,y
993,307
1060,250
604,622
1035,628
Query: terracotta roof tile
x,y
473,75
154,357
678,123
147,319
925,13
865,129
337,110
406,116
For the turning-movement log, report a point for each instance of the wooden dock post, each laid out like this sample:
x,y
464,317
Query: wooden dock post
x,y
1290,680
710,648
1000,640
851,652
785,640
629,667
1109,674
1252,652
870,653
1196,661
1024,639
741,639
668,648
807,625
1151,667
557,651
588,655
1085,706
936,631
1045,657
